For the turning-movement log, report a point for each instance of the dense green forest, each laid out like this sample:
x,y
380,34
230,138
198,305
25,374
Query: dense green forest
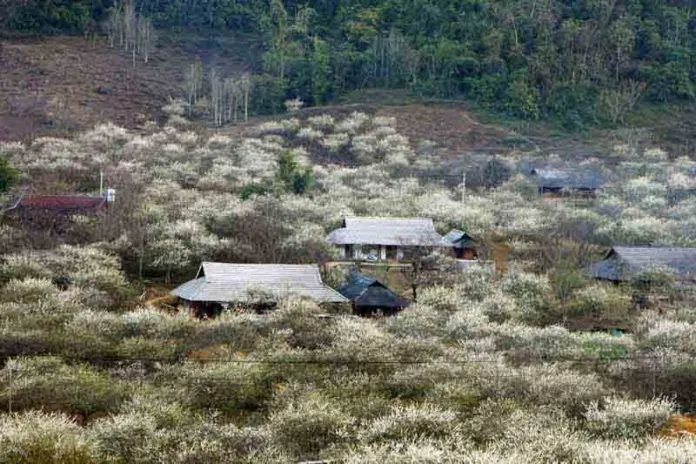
x,y
577,61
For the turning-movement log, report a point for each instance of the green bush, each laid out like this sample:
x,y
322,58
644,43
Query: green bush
x,y
8,175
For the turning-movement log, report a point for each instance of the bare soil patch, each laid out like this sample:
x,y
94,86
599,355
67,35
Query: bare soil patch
x,y
57,85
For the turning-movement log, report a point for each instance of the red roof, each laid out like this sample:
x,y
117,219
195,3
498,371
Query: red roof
x,y
64,202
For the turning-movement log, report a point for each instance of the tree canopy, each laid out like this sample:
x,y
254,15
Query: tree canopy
x,y
577,61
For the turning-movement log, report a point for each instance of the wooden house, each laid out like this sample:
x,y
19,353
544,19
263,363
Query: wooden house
x,y
369,296
52,214
623,264
383,238
463,246
219,285
65,205
559,181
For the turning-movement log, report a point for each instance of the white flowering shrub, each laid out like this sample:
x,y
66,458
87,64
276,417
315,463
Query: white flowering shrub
x,y
655,155
602,301
40,437
353,123
28,291
310,425
665,333
152,428
530,292
472,372
619,418
417,321
571,391
309,134
468,323
541,437
425,420
50,384
224,386
414,450
322,121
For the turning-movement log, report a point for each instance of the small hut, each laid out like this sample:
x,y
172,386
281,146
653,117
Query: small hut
x,y
369,296
463,245
553,181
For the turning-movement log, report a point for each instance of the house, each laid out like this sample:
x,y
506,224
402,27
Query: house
x,y
369,296
557,181
383,238
623,264
463,245
217,285
51,215
57,204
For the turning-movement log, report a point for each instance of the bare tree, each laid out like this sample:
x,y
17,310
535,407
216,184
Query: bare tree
x,y
194,83
245,87
129,25
135,32
145,37
231,98
114,25
216,98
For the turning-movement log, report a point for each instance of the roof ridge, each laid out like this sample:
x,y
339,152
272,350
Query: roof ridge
x,y
260,264
88,195
389,217
654,247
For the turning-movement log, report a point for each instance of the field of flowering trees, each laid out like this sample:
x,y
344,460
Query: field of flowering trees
x,y
520,366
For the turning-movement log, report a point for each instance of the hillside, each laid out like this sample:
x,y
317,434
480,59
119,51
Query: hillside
x,y
520,174
59,85
536,364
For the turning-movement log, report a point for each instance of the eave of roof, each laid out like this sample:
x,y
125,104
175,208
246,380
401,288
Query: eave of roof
x,y
61,202
223,282
624,263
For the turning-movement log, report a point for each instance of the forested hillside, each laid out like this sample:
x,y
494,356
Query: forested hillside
x,y
581,62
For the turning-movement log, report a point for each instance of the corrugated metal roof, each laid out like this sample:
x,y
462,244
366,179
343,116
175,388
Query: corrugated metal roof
x,y
624,263
223,282
386,231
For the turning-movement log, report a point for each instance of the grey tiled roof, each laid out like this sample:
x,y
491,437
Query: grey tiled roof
x,y
552,178
624,263
386,231
222,282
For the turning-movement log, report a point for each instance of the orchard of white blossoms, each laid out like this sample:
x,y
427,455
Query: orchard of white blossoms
x,y
515,367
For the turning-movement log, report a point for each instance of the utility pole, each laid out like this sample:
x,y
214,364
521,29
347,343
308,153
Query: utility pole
x,y
101,183
10,366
